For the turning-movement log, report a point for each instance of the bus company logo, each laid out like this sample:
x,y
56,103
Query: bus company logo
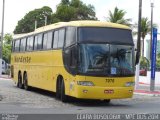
x,y
22,59
110,80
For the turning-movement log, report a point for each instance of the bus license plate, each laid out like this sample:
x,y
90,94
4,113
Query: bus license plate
x,y
108,91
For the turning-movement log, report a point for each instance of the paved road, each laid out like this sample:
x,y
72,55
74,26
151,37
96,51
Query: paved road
x,y
18,101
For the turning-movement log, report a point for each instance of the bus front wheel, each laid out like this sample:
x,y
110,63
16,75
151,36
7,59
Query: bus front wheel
x,y
63,96
60,90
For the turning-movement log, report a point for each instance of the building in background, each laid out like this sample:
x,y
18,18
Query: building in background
x,y
147,45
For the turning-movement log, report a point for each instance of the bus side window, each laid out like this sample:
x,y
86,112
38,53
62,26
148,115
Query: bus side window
x,y
23,44
70,36
13,43
61,38
49,40
45,41
30,43
39,40
17,45
55,43
35,42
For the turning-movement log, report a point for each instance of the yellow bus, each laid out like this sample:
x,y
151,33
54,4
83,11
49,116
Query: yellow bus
x,y
80,59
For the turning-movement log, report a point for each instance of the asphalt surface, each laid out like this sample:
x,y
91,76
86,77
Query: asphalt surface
x,y
19,101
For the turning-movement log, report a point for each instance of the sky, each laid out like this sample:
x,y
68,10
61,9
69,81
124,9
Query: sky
x,y
16,9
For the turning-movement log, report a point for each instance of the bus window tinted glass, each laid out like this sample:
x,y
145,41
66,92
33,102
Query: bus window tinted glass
x,y
23,44
121,59
55,39
35,42
13,42
17,45
39,45
70,36
49,41
45,41
61,38
94,58
30,43
105,35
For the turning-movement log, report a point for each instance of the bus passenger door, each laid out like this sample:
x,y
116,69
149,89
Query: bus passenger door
x,y
70,58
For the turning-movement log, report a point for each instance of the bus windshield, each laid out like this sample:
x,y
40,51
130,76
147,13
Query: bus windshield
x,y
106,60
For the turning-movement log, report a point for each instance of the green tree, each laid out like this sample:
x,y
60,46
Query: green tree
x,y
67,10
73,10
117,16
158,55
65,2
7,47
145,29
27,23
158,61
144,62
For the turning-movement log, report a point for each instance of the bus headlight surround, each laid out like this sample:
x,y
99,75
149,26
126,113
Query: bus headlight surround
x,y
129,84
85,83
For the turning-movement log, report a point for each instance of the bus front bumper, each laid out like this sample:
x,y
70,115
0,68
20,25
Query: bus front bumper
x,y
87,92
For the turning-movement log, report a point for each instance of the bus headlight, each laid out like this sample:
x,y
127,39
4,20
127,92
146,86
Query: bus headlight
x,y
85,83
129,84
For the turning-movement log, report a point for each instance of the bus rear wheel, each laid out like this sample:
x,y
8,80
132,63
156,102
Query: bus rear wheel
x,y
25,81
19,84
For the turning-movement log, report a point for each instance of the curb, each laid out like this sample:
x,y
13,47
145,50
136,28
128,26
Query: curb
x,y
145,94
142,83
148,93
1,77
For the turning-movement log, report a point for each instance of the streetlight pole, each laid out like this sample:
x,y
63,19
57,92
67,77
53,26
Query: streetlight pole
x,y
45,20
2,32
152,5
152,82
138,43
35,25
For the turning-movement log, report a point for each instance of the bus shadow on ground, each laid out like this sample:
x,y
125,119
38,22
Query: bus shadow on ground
x,y
97,103
80,102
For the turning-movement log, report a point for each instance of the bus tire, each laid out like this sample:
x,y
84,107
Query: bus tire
x,y
63,95
107,101
58,88
25,81
20,84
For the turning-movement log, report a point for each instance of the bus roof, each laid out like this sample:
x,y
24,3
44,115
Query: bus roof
x,y
83,23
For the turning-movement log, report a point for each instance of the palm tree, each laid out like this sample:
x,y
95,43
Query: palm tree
x,y
145,29
118,17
